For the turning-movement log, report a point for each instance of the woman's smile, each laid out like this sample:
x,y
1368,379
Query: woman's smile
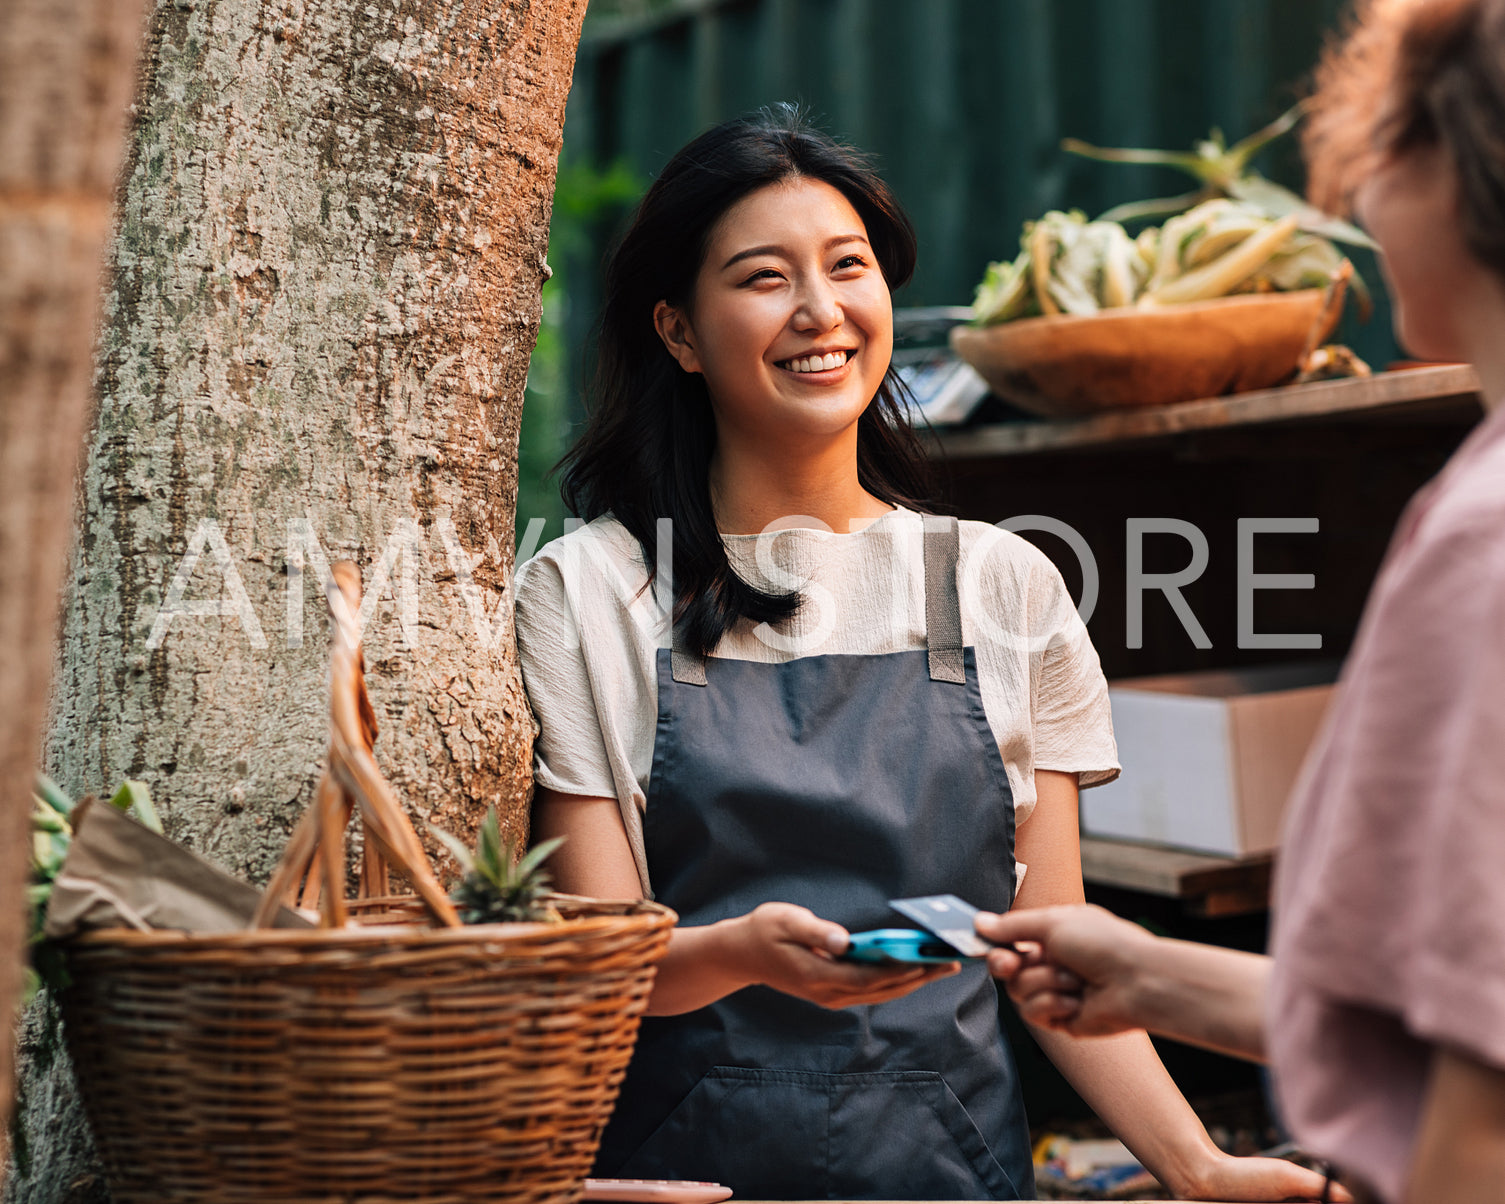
x,y
818,364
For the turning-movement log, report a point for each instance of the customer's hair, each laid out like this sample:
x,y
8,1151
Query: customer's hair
x,y
646,448
1411,74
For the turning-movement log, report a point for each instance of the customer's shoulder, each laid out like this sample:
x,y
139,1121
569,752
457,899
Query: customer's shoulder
x,y
1469,499
1446,570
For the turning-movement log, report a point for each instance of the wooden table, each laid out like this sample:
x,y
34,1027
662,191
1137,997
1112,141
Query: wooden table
x,y
1444,389
1207,885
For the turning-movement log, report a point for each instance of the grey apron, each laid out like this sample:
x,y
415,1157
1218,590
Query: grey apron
x,y
837,783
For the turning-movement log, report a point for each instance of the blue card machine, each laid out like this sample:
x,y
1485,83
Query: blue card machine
x,y
899,945
948,934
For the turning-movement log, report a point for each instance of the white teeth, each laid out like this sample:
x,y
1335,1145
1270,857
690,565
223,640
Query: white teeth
x,y
818,363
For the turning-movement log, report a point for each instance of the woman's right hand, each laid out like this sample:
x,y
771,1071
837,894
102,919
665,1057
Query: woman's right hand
x,y
778,945
791,949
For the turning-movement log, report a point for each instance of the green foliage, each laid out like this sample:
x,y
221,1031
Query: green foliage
x,y
584,196
51,834
1224,171
605,12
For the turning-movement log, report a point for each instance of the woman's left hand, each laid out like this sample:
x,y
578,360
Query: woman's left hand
x,y
1224,1177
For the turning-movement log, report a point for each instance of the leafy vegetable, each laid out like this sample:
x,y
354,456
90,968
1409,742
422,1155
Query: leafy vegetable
x,y
1069,265
51,834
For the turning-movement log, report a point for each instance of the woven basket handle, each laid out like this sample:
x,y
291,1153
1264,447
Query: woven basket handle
x,y
316,850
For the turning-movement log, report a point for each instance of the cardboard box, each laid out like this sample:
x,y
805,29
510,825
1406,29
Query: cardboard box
x,y
1209,758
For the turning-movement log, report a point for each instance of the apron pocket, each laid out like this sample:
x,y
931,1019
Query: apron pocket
x,y
904,1135
760,1132
789,1134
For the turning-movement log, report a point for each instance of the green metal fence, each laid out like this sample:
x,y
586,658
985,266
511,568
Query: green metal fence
x,y
964,102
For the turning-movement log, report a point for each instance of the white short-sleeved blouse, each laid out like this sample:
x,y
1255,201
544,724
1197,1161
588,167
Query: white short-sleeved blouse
x,y
588,632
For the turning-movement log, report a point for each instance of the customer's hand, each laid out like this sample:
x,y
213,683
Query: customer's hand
x,y
1075,969
793,950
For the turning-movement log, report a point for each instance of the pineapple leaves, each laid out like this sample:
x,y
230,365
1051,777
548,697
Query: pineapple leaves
x,y
491,860
1187,161
1213,161
499,885
1238,156
1275,201
537,856
1168,206
454,846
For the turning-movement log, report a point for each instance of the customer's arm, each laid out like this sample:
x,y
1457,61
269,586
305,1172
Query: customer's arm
x,y
1121,1076
1095,974
1460,1148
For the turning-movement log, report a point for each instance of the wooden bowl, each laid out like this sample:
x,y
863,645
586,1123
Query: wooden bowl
x,y
1066,366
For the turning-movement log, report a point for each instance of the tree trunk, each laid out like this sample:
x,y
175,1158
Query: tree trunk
x,y
325,291
66,71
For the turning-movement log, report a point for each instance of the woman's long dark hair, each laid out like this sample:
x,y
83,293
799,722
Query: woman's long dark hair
x,y
645,452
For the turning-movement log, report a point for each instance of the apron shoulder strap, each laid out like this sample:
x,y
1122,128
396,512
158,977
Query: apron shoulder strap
x,y
686,667
943,610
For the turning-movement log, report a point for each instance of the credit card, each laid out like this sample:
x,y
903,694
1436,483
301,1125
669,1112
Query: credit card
x,y
947,917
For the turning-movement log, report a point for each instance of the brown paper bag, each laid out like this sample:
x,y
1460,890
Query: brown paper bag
x,y
121,874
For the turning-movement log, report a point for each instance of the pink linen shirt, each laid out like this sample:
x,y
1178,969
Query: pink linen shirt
x,y
1390,892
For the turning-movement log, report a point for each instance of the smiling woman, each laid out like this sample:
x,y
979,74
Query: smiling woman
x,y
775,695
647,450
793,338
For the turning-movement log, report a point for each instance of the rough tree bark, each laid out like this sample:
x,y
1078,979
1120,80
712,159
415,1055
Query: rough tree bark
x,y
66,72
325,290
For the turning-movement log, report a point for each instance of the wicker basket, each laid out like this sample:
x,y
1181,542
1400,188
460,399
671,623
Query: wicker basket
x,y
382,1061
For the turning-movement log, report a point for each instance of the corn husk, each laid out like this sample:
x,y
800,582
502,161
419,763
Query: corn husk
x,y
1069,265
1224,274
